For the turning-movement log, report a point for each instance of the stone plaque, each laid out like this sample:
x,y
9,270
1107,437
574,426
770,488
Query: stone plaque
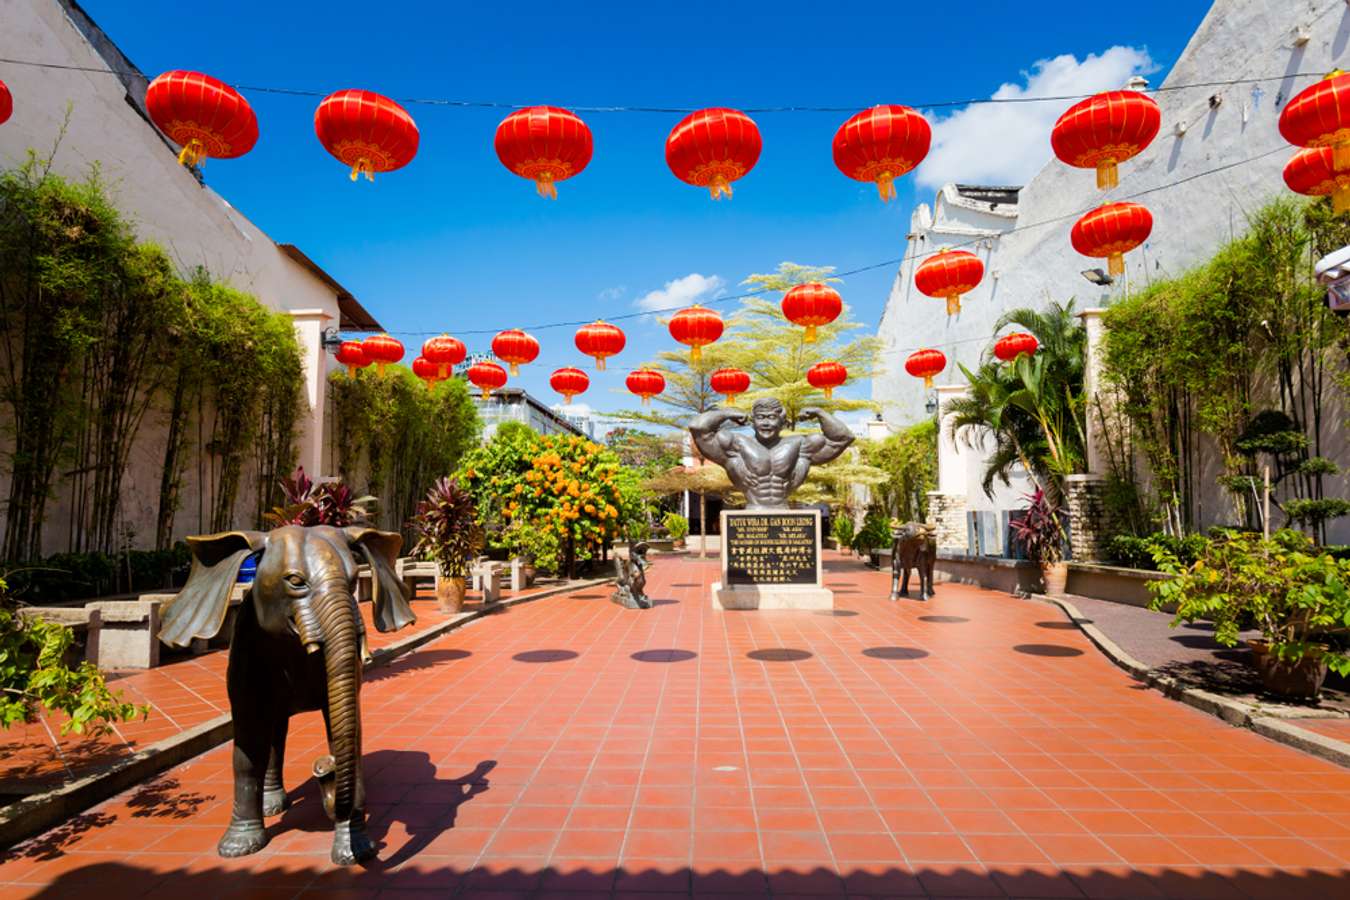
x,y
771,547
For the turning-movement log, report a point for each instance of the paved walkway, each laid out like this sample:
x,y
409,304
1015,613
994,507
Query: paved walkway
x,y
183,693
971,746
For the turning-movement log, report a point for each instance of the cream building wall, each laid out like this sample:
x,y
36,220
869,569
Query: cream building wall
x,y
106,126
1218,157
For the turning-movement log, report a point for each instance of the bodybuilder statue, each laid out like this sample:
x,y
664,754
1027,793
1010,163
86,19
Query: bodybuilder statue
x,y
767,467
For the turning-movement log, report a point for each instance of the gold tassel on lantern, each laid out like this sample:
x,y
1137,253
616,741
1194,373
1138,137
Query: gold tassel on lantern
x,y
953,304
487,393
363,167
1115,264
810,336
928,382
886,186
600,363
719,187
546,188
829,392
1108,175
192,154
515,370
696,354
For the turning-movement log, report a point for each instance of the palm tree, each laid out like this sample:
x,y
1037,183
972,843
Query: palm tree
x,y
1033,408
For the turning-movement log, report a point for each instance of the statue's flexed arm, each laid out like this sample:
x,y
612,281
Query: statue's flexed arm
x,y
712,442
833,439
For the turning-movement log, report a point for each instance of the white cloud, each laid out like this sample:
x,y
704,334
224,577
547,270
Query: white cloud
x,y
681,292
1007,143
611,294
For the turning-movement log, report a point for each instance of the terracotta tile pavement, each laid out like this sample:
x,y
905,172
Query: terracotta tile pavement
x,y
183,693
572,748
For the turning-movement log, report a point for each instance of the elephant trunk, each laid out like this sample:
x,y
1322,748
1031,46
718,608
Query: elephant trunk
x,y
339,629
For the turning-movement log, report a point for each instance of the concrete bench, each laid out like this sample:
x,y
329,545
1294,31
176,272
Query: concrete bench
x,y
522,575
129,632
487,577
86,624
410,570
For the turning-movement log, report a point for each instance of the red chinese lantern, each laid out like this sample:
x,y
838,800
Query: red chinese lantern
x,y
812,305
1104,130
601,340
443,352
6,103
516,348
696,327
1312,172
382,350
352,355
1111,231
544,144
827,376
569,382
426,370
368,132
1319,116
487,377
926,364
201,114
1011,346
949,274
881,144
711,148
729,383
646,383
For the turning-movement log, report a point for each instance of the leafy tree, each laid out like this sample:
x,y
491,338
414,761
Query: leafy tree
x,y
563,485
1033,408
35,678
398,437
909,461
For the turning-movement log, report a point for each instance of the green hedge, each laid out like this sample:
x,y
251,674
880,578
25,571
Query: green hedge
x,y
79,576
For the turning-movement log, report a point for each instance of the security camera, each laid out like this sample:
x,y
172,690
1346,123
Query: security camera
x,y
1333,270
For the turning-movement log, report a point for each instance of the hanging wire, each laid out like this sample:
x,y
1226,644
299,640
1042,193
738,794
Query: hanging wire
x,y
759,292
679,110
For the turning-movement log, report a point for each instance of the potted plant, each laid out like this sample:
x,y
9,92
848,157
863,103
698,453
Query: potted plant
x,y
678,528
536,547
843,531
1296,594
447,534
307,503
1041,535
873,536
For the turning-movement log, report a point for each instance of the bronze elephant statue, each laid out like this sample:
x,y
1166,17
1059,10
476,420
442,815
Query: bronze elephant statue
x,y
298,645
914,547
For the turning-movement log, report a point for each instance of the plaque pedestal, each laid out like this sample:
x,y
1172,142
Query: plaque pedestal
x,y
771,560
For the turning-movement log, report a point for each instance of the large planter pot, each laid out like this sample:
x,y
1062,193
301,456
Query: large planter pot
x,y
450,595
1301,680
1055,578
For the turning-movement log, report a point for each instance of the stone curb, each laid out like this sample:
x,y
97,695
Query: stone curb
x,y
1217,705
36,813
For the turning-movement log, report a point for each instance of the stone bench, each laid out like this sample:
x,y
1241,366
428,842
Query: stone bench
x,y
487,577
85,623
522,575
410,571
129,632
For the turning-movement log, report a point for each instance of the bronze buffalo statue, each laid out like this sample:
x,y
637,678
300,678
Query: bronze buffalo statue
x,y
914,547
298,645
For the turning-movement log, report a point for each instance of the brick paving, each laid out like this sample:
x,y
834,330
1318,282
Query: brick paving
x,y
964,747
183,693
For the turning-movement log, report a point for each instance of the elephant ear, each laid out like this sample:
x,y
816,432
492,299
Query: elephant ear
x,y
198,611
380,550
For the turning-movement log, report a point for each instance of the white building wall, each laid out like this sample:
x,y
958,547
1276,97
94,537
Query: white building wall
x,y
166,204
1203,129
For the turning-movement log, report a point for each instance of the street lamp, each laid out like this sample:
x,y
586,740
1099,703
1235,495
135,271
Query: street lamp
x,y
930,405
1098,277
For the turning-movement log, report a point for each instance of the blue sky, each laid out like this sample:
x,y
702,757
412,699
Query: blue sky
x,y
455,242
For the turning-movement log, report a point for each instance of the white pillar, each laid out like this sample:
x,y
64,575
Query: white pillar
x,y
309,325
953,455
1095,327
